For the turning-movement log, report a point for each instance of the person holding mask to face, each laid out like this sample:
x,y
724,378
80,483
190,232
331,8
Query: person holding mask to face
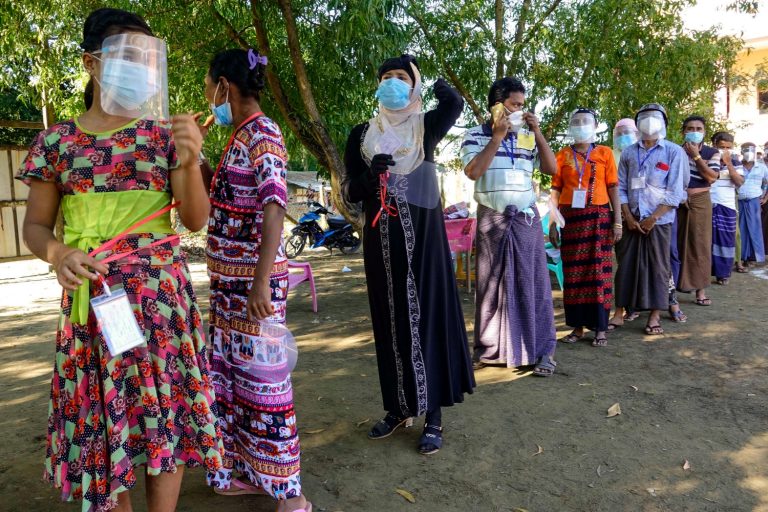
x,y
114,171
418,324
514,318
650,188
723,192
694,217
764,201
751,193
586,189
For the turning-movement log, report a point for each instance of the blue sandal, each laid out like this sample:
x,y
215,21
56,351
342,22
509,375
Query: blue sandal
x,y
545,367
431,440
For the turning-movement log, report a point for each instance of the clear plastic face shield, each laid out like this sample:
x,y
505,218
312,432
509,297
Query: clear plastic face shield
x,y
582,127
624,136
134,76
651,125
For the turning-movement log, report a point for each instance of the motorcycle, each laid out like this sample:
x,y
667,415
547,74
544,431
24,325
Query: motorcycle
x,y
339,234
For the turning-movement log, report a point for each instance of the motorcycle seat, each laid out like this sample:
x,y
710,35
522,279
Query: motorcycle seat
x,y
336,221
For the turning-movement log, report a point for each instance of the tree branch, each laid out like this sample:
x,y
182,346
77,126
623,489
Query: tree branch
x,y
450,73
535,27
518,40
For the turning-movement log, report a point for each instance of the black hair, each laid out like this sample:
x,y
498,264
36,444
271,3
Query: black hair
x,y
235,66
724,136
101,24
502,88
748,144
403,62
694,117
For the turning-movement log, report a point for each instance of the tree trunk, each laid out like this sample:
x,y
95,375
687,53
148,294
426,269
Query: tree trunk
x,y
499,35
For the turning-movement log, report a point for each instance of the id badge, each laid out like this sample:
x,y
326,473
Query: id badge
x,y
515,177
526,140
638,182
116,322
389,142
579,199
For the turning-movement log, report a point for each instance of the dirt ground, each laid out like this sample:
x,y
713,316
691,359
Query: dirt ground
x,y
698,394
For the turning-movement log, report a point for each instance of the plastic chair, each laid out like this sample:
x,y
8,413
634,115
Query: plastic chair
x,y
552,253
461,238
294,278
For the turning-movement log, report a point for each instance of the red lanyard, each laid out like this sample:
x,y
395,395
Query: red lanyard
x,y
229,145
111,243
385,207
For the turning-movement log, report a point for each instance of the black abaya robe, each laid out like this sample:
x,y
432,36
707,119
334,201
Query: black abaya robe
x,y
418,324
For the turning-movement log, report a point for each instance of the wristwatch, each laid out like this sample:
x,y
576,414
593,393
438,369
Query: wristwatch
x,y
698,157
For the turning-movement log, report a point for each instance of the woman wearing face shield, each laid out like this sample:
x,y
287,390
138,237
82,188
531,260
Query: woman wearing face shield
x,y
586,189
651,175
624,135
249,286
751,193
147,408
418,323
514,317
764,201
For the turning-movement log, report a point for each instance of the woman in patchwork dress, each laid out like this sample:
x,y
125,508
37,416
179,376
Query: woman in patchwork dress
x,y
151,405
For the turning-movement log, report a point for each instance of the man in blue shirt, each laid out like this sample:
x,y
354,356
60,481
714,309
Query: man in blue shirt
x,y
651,175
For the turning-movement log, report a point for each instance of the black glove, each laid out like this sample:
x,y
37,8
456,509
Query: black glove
x,y
380,163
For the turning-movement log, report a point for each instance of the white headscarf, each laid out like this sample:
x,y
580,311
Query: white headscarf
x,y
407,124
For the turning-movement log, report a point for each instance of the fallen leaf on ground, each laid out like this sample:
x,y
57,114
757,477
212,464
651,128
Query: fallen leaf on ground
x,y
363,422
585,383
651,491
598,471
634,387
614,410
405,494
518,509
314,431
539,451
686,465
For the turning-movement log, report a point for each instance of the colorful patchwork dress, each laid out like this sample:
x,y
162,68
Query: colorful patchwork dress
x,y
257,418
153,405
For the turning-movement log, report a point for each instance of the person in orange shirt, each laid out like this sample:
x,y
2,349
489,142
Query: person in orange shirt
x,y
583,186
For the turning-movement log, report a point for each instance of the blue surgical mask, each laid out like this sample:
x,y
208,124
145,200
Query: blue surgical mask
x,y
695,137
624,141
584,133
129,84
393,94
222,114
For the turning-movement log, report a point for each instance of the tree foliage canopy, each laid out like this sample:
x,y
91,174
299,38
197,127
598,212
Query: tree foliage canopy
x,y
610,55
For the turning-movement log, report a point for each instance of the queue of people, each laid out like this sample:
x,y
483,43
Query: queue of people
x,y
137,388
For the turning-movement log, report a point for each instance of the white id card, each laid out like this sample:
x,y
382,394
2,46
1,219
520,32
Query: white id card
x,y
117,323
638,182
515,177
579,198
389,142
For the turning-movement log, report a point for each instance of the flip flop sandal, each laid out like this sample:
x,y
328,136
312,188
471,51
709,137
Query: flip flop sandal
x,y
600,342
612,326
239,488
703,302
678,316
742,270
570,338
387,426
723,281
631,316
307,508
654,330
545,367
431,440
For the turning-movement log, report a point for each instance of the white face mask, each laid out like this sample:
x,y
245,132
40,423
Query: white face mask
x,y
516,120
650,126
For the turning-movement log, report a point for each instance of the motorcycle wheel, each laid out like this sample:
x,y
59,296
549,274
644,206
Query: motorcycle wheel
x,y
294,245
350,244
